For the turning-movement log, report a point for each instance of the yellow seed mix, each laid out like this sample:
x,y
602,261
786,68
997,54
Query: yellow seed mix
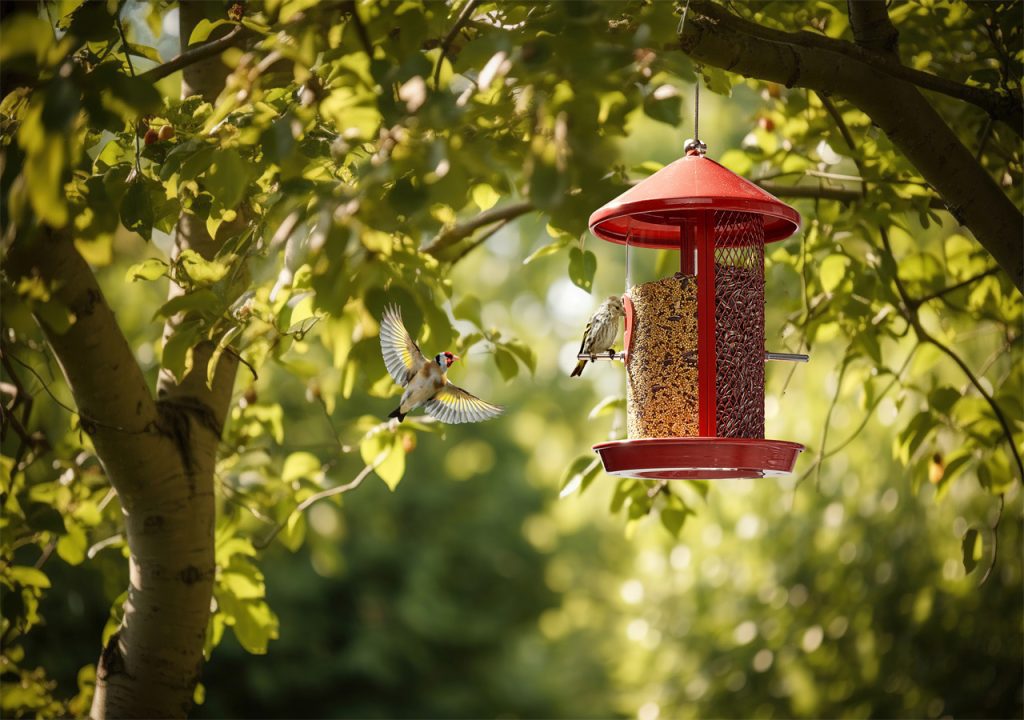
x,y
661,386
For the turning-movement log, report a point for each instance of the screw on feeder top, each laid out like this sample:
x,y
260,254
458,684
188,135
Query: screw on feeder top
x,y
692,146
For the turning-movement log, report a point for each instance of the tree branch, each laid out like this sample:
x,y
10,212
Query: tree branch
x,y
908,308
872,28
448,238
1002,106
820,192
717,37
193,55
446,43
110,391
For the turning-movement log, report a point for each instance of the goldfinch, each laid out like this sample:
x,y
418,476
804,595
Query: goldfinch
x,y
601,331
426,381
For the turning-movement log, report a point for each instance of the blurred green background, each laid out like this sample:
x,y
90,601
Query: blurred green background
x,y
475,590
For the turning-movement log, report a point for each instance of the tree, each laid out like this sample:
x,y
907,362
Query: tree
x,y
325,158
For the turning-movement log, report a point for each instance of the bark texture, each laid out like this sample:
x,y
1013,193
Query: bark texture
x,y
715,36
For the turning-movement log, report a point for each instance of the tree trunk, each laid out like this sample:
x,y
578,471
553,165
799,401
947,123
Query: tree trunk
x,y
150,667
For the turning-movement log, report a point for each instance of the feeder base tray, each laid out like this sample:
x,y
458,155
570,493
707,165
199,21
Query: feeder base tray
x,y
698,458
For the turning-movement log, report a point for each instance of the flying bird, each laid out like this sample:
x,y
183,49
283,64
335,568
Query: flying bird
x,y
426,381
601,331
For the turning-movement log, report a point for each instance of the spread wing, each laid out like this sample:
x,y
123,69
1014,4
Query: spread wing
x,y
401,355
454,405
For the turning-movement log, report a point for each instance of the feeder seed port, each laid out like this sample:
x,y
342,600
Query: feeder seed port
x,y
786,357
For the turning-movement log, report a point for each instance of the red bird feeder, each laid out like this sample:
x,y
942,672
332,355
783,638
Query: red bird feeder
x,y
694,344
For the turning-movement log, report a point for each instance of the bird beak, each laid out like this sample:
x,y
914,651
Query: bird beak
x,y
455,357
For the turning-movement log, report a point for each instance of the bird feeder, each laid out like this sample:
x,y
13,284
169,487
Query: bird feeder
x,y
694,346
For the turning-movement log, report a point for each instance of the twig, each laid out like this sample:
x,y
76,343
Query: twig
x,y
330,492
995,542
446,44
820,192
193,55
953,288
828,420
470,247
357,22
909,311
446,239
238,356
131,69
73,411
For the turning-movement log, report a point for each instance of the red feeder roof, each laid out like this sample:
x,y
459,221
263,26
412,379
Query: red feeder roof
x,y
651,211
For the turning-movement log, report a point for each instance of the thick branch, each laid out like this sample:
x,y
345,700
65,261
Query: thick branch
x,y
872,28
1002,106
719,38
448,238
111,394
819,192
194,55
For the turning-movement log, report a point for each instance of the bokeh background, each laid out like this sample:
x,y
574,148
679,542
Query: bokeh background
x,y
475,590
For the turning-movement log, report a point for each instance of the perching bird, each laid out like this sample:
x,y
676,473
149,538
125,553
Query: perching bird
x,y
601,331
425,381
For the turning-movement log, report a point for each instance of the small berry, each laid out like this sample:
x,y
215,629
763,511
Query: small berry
x,y
166,132
766,123
235,12
151,137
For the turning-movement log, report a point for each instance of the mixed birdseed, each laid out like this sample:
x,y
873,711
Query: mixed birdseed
x,y
662,385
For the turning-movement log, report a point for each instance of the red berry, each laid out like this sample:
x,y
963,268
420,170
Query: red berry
x,y
151,136
166,132
766,123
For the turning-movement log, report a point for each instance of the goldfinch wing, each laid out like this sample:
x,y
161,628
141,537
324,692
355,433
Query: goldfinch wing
x,y
402,357
454,405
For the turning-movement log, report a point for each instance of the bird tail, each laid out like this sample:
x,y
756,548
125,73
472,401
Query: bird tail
x,y
579,368
397,413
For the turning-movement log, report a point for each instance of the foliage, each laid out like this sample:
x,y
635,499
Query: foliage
x,y
343,167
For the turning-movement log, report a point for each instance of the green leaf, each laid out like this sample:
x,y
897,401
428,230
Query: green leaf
x,y
971,550
607,406
832,271
293,533
506,362
144,51
485,196
300,465
524,352
674,518
579,474
582,266
469,309
203,29
178,347
201,270
549,249
137,208
228,178
28,576
942,399
150,269
202,300
381,450
664,106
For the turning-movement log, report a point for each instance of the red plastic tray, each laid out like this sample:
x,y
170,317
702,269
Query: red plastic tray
x,y
698,458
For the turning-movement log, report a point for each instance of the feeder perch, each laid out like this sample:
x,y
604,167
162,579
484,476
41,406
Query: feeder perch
x,y
694,345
